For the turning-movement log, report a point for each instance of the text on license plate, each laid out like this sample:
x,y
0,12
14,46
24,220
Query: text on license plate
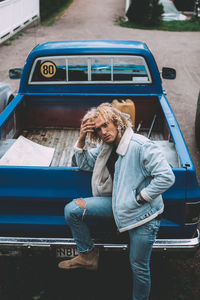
x,y
66,252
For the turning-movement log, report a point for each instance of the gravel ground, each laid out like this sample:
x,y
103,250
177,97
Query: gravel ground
x,y
173,279
38,278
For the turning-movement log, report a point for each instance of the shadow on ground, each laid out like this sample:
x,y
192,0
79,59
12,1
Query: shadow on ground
x,y
38,278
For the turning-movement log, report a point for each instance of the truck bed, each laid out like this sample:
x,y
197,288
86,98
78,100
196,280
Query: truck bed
x,y
55,122
64,139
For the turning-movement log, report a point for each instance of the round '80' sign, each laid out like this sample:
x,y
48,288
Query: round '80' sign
x,y
48,69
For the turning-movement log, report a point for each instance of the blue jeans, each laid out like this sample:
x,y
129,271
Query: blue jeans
x,y
141,239
141,242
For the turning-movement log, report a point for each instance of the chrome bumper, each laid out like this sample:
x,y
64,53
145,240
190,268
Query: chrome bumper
x,y
159,245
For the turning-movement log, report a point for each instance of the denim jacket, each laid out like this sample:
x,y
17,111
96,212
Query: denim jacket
x,y
140,168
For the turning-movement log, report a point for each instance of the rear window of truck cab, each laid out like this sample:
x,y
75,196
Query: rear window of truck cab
x,y
90,69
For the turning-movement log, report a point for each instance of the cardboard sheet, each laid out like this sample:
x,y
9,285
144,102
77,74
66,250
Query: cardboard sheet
x,y
24,152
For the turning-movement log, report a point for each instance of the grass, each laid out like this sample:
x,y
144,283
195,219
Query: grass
x,y
13,38
192,24
56,15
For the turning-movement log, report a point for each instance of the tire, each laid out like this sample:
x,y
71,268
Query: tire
x,y
197,123
11,97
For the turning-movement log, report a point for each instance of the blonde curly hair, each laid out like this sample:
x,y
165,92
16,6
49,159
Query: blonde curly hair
x,y
108,113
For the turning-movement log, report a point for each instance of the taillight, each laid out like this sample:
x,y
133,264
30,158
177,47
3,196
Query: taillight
x,y
192,213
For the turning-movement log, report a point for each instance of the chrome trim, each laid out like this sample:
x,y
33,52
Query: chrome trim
x,y
89,70
194,223
86,82
192,203
177,244
159,245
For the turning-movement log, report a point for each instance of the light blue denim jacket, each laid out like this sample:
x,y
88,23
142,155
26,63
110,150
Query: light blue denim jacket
x,y
140,168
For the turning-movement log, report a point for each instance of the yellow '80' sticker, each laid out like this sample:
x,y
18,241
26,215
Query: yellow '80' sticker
x,y
48,69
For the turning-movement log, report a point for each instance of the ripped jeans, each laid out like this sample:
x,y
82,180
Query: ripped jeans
x,y
141,239
96,207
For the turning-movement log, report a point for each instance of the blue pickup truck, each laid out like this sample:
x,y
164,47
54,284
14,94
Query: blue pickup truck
x,y
59,83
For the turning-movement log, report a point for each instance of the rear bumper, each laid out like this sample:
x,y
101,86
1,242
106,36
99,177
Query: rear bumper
x,y
159,245
191,244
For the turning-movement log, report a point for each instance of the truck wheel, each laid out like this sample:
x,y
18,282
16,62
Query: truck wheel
x,y
11,97
197,123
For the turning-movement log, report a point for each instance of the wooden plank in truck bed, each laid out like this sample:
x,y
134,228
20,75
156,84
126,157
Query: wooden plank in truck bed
x,y
62,140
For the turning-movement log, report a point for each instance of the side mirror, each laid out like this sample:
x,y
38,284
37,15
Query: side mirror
x,y
168,73
15,73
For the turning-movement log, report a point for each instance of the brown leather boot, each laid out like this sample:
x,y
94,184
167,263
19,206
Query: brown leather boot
x,y
87,261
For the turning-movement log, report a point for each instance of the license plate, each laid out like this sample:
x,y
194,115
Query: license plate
x,y
68,252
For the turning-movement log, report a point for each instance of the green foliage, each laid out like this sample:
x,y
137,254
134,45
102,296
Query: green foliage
x,y
145,12
50,7
186,25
